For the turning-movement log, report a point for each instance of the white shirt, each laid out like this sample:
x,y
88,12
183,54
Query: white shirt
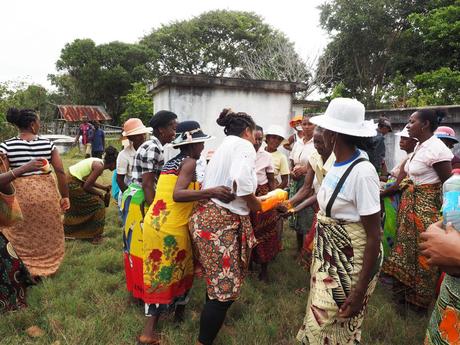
x,y
419,167
264,165
125,161
200,169
301,151
233,165
360,194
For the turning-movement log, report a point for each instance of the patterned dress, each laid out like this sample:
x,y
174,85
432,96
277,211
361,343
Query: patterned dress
x,y
444,326
222,241
167,249
337,262
266,232
419,208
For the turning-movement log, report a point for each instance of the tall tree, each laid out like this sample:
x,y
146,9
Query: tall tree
x,y
216,43
365,38
101,74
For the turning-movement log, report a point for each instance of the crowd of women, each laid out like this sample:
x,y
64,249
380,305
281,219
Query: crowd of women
x,y
178,224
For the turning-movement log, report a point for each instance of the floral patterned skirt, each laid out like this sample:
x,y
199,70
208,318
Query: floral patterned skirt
x,y
14,278
222,241
419,208
266,232
444,326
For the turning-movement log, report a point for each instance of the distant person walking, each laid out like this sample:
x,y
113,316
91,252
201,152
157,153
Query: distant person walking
x,y
97,141
85,131
39,238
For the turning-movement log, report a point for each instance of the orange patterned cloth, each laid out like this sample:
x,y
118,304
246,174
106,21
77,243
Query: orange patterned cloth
x,y
39,238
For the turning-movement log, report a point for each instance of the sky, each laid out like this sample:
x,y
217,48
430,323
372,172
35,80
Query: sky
x,y
32,33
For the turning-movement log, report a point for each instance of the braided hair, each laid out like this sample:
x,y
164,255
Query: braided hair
x,y
235,123
21,118
433,116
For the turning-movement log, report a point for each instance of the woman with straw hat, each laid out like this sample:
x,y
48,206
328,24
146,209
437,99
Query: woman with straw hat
x,y
347,252
167,252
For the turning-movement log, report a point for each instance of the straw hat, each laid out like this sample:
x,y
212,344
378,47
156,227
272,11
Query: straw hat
x,y
346,116
134,126
295,119
189,132
444,132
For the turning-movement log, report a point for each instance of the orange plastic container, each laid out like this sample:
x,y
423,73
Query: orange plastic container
x,y
272,199
46,165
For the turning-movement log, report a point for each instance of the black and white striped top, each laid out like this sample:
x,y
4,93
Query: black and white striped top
x,y
20,152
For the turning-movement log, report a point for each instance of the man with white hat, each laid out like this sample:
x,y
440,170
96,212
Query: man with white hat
x,y
135,131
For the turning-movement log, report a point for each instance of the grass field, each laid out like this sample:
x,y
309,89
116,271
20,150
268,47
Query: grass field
x,y
86,303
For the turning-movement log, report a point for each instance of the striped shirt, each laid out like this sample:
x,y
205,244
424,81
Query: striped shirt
x,y
20,152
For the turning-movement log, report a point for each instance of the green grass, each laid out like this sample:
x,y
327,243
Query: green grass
x,y
86,303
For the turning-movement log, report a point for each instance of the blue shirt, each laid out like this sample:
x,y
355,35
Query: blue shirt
x,y
98,140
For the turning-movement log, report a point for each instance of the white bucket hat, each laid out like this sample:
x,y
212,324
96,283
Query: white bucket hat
x,y
346,116
404,133
275,130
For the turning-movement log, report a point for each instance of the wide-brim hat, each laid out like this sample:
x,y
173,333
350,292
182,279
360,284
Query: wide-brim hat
x,y
444,132
134,126
346,116
189,132
295,119
276,130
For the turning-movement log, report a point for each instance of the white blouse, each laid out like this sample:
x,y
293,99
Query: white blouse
x,y
302,151
233,165
419,167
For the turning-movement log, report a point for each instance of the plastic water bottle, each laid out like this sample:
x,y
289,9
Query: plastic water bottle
x,y
451,200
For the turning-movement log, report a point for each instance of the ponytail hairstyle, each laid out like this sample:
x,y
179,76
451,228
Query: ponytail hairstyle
x,y
111,155
21,118
433,116
235,123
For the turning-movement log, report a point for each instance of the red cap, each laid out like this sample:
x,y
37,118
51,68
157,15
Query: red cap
x,y
456,171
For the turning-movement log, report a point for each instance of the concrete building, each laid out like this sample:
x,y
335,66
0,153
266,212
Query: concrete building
x,y
202,98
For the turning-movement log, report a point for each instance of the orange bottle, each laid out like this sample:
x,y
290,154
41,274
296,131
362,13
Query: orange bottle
x,y
46,165
272,199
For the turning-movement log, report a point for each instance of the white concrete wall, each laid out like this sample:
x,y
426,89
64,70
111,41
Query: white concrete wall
x,y
204,105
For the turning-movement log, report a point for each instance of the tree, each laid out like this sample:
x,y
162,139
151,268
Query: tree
x,y
101,74
138,103
366,36
217,43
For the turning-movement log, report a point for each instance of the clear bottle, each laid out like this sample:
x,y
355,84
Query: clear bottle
x,y
451,200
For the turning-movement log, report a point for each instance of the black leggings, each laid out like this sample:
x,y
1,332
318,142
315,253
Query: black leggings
x,y
212,318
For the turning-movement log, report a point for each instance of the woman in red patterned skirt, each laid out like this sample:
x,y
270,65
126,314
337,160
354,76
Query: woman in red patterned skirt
x,y
265,224
221,232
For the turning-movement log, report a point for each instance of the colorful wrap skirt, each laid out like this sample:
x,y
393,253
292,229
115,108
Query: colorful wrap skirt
x,y
444,325
419,208
14,278
222,243
39,238
336,266
167,254
301,221
86,217
265,227
133,212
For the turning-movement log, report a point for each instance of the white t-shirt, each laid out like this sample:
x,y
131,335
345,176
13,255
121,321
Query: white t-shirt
x,y
419,167
301,151
233,163
360,194
125,161
264,165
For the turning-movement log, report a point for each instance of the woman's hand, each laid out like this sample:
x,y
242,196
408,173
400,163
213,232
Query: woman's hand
x,y
440,246
299,170
65,204
353,304
108,188
223,194
33,165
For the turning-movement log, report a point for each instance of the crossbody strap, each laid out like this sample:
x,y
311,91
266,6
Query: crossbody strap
x,y
340,184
